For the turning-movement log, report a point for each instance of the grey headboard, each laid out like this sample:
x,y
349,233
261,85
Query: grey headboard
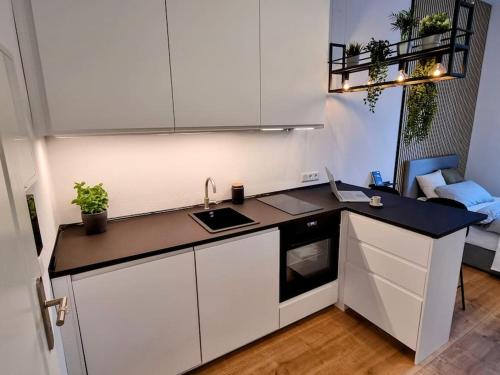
x,y
414,168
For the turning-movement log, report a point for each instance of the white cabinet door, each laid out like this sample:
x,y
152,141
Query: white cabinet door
x,y
105,64
294,56
214,49
238,291
142,319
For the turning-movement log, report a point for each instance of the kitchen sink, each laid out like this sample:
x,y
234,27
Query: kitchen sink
x,y
221,219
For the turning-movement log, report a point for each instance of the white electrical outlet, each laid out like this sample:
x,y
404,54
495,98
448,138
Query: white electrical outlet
x,y
310,176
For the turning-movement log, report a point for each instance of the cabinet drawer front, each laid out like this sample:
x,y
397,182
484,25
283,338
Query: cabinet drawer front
x,y
389,307
401,272
400,242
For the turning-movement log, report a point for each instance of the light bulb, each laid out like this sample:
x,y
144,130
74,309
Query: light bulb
x,y
438,70
370,82
346,86
402,76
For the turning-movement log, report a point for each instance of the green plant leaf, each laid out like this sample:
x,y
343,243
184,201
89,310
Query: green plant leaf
x,y
422,105
377,73
91,199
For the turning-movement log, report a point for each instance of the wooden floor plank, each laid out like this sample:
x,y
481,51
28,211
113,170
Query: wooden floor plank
x,y
336,342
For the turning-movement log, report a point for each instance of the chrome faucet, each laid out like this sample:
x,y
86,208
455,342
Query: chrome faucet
x,y
206,200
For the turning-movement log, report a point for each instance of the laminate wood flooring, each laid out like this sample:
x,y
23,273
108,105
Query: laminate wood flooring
x,y
336,342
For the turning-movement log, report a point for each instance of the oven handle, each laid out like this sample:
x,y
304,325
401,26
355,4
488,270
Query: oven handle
x,y
294,245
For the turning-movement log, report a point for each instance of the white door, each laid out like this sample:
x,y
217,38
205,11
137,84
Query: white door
x,y
23,347
105,64
140,319
214,48
238,291
294,57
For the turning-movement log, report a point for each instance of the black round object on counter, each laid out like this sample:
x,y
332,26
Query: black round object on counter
x,y
237,193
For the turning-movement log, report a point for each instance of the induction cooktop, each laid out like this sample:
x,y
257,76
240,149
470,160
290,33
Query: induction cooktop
x,y
288,204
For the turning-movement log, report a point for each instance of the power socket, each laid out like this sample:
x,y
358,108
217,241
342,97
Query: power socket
x,y
310,176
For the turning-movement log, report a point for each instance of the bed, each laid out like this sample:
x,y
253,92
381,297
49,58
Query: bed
x,y
481,246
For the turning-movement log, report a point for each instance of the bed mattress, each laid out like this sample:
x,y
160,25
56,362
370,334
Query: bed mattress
x,y
479,236
482,238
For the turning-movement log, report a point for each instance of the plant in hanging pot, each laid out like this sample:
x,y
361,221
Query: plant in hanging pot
x,y
352,53
421,103
431,29
93,202
404,22
377,73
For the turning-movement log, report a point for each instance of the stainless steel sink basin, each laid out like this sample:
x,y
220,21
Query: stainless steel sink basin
x,y
221,219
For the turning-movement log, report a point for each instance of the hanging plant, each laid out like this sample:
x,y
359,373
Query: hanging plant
x,y
377,73
422,104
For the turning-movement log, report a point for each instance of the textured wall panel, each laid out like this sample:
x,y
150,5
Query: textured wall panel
x,y
452,126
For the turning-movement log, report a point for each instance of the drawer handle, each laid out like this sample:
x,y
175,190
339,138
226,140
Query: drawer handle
x,y
312,224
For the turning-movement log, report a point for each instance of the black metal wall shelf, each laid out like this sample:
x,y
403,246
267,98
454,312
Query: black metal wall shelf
x,y
453,52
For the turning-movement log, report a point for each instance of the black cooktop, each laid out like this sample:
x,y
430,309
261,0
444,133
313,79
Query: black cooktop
x,y
288,204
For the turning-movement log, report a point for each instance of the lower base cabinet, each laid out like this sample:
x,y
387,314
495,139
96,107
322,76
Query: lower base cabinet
x,y
238,291
171,313
142,319
403,282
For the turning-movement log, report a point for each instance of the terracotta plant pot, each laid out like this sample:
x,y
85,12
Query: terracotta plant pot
x,y
352,60
431,41
95,223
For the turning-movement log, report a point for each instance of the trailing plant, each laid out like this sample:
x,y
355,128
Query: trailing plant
x,y
422,104
377,73
91,199
404,22
434,24
353,49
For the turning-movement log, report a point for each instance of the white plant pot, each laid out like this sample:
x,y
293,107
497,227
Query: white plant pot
x,y
404,47
352,60
431,41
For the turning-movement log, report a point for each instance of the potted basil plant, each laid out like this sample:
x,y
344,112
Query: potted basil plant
x,y
93,202
404,22
352,53
431,29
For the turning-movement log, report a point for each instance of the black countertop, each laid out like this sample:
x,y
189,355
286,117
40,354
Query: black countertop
x,y
146,235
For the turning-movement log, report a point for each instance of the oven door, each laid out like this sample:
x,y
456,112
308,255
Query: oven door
x,y
307,267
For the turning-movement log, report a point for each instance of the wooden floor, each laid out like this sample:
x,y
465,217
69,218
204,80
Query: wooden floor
x,y
334,342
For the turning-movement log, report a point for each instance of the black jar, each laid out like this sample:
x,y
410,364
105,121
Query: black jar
x,y
237,193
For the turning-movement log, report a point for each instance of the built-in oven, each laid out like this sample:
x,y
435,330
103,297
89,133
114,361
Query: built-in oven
x,y
309,253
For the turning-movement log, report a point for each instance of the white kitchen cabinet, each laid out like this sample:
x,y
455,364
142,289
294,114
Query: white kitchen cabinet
x,y
401,281
105,65
294,56
140,319
214,48
238,291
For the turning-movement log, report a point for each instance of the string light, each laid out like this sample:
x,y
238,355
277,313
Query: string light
x,y
402,76
346,86
438,70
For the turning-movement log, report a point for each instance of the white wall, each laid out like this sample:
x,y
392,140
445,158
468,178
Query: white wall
x,y
153,172
42,186
364,141
483,164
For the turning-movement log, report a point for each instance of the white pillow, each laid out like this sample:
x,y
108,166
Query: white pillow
x,y
429,182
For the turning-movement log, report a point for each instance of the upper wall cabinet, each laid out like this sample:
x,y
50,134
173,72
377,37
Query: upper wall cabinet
x,y
105,64
294,56
214,49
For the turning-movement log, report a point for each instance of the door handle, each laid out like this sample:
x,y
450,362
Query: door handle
x,y
61,305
